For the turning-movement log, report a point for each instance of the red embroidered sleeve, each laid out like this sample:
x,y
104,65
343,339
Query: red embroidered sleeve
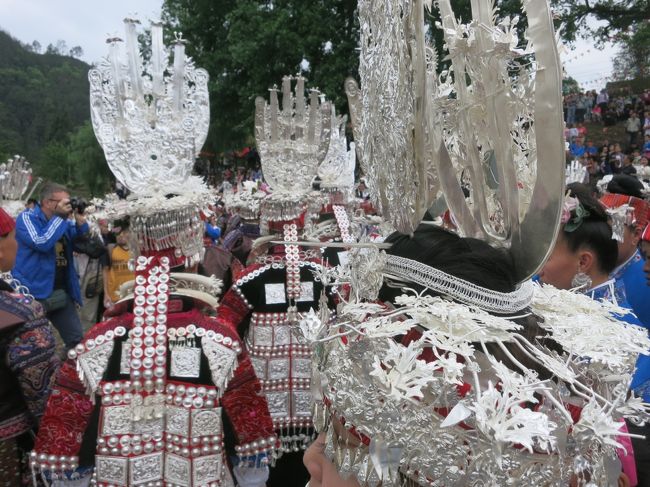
x,y
248,410
66,416
232,310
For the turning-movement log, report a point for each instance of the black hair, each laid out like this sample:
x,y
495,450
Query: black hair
x,y
466,258
479,263
625,184
594,232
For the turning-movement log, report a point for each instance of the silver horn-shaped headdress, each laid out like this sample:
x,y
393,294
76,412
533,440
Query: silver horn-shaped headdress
x,y
336,172
150,117
292,141
491,122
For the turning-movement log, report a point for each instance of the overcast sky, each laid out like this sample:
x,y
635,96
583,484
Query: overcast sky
x,y
87,23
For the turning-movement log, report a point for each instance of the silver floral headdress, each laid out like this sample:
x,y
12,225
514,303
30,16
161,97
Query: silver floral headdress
x,y
151,118
446,390
491,122
442,408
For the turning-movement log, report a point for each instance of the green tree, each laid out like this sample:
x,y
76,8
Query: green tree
x,y
633,59
247,46
602,20
570,85
86,158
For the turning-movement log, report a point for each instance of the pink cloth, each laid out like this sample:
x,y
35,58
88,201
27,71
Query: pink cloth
x,y
626,455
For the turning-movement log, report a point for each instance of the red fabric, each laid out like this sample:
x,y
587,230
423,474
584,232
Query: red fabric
x,y
245,405
7,224
232,310
278,226
66,416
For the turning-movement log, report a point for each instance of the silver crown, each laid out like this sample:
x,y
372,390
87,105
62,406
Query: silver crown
x,y
150,117
491,122
294,140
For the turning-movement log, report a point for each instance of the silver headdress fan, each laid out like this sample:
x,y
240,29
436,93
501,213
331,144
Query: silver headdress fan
x,y
492,122
292,141
150,117
15,175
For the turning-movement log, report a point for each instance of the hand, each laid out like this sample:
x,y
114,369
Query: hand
x,y
108,302
63,208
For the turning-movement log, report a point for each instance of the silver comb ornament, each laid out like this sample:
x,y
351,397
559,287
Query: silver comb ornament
x,y
292,140
150,117
490,122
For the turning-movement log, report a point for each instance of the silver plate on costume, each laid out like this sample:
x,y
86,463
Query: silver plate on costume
x,y
116,420
206,422
177,470
207,469
186,362
112,470
274,293
146,468
306,292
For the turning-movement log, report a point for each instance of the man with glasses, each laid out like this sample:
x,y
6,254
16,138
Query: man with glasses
x,y
44,263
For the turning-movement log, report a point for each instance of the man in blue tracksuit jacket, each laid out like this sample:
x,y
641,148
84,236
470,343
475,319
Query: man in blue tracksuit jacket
x,y
44,262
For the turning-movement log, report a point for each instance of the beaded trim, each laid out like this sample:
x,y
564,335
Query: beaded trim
x,y
464,291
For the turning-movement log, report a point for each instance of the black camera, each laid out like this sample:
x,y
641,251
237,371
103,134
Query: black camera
x,y
78,204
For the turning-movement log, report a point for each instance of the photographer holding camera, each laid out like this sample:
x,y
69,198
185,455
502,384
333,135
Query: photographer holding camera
x,y
44,263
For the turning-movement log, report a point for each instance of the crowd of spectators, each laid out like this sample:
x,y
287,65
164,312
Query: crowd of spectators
x,y
603,156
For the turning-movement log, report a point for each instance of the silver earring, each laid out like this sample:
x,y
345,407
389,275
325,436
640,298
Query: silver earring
x,y
581,281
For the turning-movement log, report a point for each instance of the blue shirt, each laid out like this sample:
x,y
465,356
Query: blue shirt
x,y
213,232
632,287
578,151
641,377
35,265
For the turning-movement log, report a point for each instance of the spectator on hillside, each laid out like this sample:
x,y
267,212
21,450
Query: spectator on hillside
x,y
646,124
591,149
570,102
602,100
581,108
44,262
646,146
627,167
577,149
31,203
582,130
632,128
573,133
609,116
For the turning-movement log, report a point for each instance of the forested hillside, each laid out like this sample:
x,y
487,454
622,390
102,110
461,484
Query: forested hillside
x,y
44,115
